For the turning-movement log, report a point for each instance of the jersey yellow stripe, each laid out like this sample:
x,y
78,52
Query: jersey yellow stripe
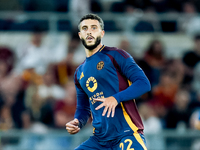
x,y
93,130
129,82
133,127
128,120
139,139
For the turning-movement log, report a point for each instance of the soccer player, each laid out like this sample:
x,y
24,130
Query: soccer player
x,y
103,84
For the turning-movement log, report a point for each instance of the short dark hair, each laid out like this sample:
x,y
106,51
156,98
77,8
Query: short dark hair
x,y
93,17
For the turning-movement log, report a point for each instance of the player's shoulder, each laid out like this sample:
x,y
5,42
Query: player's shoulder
x,y
78,69
114,51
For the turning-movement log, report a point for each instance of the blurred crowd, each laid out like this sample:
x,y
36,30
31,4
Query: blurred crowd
x,y
37,90
174,101
159,6
140,15
36,84
175,94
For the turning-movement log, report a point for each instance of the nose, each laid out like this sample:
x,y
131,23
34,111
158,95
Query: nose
x,y
89,31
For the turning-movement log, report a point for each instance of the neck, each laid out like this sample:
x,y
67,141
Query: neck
x,y
92,52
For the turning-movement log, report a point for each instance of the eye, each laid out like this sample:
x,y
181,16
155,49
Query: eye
x,y
84,28
94,28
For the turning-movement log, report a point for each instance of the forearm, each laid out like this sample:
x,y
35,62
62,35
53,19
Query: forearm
x,y
83,107
138,88
82,115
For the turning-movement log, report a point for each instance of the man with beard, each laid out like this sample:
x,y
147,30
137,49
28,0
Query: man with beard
x,y
103,88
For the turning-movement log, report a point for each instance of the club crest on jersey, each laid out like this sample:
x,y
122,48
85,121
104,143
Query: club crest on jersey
x,y
100,65
91,84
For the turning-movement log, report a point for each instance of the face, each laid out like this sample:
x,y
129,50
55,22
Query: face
x,y
90,33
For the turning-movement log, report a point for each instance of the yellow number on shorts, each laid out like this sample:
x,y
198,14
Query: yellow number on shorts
x,y
129,145
121,146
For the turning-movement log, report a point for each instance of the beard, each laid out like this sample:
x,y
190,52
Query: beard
x,y
91,47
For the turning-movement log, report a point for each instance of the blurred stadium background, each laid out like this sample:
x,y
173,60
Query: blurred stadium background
x,y
40,49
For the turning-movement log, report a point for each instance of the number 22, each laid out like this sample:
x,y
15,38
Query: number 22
x,y
129,145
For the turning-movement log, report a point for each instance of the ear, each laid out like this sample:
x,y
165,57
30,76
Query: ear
x,y
79,34
102,33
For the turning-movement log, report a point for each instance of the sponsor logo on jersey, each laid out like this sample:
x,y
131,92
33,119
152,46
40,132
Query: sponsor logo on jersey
x,y
96,95
94,84
100,65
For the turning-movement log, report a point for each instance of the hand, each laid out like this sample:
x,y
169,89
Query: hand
x,y
110,103
72,126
